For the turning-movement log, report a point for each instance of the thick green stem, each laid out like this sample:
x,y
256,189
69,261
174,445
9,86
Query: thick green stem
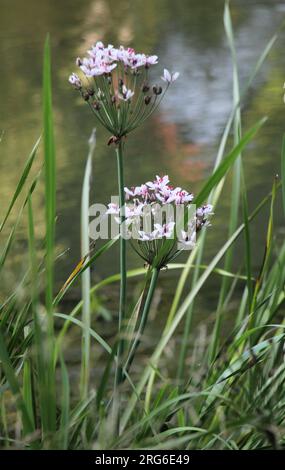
x,y
123,270
123,282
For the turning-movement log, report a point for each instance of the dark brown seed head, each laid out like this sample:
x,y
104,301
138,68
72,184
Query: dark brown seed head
x,y
90,91
147,99
145,88
157,90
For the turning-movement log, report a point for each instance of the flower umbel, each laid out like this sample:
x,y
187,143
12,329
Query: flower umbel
x,y
155,214
116,87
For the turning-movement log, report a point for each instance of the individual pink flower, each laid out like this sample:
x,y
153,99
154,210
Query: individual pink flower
x,y
165,230
158,183
188,240
147,237
132,192
107,68
182,196
143,191
86,67
151,60
166,194
113,209
204,210
126,94
133,211
137,60
169,77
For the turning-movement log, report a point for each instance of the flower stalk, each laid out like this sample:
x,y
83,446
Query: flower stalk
x,y
123,270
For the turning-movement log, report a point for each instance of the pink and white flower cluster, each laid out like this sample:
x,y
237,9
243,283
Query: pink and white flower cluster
x,y
158,195
116,86
102,60
159,191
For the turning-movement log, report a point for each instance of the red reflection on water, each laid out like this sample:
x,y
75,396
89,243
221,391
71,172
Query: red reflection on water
x,y
186,158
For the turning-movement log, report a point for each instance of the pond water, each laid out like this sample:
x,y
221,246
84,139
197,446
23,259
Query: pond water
x,y
181,139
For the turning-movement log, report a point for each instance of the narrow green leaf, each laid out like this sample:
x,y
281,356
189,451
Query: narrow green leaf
x,y
91,331
65,405
86,275
283,171
28,391
21,182
14,386
227,163
49,159
48,398
84,266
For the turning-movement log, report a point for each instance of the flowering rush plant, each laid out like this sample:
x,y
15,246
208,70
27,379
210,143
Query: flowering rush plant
x,y
154,213
115,83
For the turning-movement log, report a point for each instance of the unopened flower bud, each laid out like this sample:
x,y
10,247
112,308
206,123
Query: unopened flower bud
x,y
86,96
157,90
75,81
113,140
90,91
145,88
113,99
96,105
147,99
78,62
121,82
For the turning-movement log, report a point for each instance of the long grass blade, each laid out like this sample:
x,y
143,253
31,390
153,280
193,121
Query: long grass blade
x,y
14,386
48,389
21,183
283,171
86,275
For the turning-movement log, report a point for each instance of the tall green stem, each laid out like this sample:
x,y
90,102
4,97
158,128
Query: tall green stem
x,y
123,282
123,271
